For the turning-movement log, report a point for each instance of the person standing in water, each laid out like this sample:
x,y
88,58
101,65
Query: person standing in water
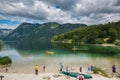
x,y
36,69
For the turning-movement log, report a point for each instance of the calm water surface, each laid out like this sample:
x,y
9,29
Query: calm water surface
x,y
24,61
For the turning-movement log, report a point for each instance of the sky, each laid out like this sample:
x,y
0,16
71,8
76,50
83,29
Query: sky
x,y
90,12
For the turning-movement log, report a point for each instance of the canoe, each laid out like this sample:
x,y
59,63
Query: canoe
x,y
49,52
75,74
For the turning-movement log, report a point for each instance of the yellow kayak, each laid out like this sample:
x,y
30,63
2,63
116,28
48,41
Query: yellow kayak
x,y
49,52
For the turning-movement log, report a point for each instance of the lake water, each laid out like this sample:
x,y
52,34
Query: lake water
x,y
25,60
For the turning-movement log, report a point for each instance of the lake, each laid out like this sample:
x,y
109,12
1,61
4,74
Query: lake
x,y
25,60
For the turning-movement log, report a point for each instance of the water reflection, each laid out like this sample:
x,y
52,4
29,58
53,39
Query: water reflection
x,y
34,45
23,59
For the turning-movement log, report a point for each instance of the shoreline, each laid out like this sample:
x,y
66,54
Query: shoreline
x,y
113,45
48,76
11,75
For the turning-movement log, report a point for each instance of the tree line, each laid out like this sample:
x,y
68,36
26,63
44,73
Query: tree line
x,y
94,34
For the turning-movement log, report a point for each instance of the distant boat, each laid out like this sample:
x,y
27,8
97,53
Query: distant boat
x,y
49,52
74,48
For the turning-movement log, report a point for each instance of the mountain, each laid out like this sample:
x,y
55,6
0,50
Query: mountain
x,y
35,35
4,32
94,34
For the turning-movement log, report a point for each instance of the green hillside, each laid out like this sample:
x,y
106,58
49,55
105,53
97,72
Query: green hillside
x,y
33,36
94,34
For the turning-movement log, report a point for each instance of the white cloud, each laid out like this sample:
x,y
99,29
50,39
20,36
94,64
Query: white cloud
x,y
57,15
69,11
7,26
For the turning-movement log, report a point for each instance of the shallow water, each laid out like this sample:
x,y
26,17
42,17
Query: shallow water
x,y
24,61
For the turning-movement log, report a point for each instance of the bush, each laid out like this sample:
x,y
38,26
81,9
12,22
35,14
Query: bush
x,y
99,41
117,42
5,60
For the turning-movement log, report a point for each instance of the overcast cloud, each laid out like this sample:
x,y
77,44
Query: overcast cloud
x,y
62,11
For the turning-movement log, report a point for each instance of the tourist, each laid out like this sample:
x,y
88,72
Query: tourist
x,y
80,70
113,69
36,69
6,69
92,68
61,67
68,71
89,69
44,68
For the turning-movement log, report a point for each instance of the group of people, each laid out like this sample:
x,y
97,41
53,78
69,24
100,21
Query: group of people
x,y
80,77
90,69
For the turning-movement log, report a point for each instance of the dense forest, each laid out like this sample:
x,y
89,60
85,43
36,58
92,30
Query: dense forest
x,y
94,34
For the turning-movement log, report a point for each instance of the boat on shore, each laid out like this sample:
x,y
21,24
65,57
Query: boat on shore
x,y
75,74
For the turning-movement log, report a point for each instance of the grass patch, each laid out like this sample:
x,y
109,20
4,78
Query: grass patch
x,y
118,75
100,71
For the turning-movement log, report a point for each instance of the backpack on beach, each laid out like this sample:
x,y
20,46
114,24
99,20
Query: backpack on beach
x,y
80,78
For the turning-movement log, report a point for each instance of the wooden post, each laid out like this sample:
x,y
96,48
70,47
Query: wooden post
x,y
1,77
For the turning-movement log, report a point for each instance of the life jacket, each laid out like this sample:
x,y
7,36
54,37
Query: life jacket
x,y
80,78
36,67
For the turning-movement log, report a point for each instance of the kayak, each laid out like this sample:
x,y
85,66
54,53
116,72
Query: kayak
x,y
49,52
75,74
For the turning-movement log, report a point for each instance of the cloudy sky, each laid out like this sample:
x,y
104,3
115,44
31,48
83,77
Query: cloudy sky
x,y
14,12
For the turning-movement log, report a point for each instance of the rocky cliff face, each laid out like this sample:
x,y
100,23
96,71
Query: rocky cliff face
x,y
4,32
